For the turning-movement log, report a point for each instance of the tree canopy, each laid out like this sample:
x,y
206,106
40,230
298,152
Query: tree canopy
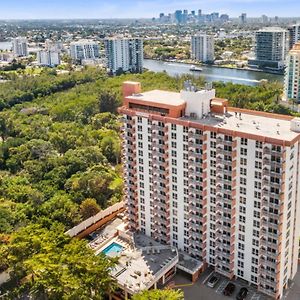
x,y
47,264
167,294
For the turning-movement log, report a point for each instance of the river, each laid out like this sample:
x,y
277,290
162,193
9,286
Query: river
x,y
211,73
5,46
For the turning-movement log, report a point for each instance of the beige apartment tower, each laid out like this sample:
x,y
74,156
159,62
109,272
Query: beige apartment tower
x,y
219,183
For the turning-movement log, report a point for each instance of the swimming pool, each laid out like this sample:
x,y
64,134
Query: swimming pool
x,y
112,249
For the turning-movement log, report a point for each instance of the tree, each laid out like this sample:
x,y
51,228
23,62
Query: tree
x,y
108,102
89,208
62,209
159,295
110,146
47,264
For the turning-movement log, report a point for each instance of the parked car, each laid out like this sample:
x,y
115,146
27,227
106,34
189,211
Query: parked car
x,y
229,289
213,280
242,294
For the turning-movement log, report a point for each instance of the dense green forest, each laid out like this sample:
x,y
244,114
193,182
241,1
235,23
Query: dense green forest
x,y
60,163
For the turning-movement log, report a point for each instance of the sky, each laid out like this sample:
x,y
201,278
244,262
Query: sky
x,y
86,9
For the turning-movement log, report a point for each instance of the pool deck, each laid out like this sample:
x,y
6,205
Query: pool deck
x,y
143,263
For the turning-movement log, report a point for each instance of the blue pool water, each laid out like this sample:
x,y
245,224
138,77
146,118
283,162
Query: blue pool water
x,y
113,248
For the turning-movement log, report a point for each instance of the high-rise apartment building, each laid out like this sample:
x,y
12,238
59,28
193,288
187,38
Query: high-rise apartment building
x,y
202,47
219,183
48,58
124,54
292,75
84,50
20,47
54,45
294,35
271,48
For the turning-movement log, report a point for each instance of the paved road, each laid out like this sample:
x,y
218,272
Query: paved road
x,y
200,291
293,293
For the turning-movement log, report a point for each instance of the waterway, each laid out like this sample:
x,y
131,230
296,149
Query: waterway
x,y
211,73
5,46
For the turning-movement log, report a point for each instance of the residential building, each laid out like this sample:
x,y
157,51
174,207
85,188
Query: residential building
x,y
294,35
219,183
202,47
124,54
292,75
271,48
20,47
48,58
54,45
84,49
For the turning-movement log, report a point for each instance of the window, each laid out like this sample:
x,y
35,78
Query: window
x,y
243,161
244,141
243,151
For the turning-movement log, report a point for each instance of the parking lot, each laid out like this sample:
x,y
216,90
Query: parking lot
x,y
200,290
253,294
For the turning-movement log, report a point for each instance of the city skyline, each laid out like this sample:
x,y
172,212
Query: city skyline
x,y
54,9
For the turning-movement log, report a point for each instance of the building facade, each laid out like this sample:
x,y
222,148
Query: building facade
x,y
202,48
294,35
124,54
20,47
292,75
271,48
48,58
83,50
221,184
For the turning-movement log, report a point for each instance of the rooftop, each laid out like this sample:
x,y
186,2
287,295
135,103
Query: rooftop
x,y
272,29
142,261
159,97
250,123
296,48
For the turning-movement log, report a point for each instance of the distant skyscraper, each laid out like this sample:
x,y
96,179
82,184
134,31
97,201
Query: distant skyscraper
x,y
292,75
199,12
271,48
243,18
264,19
84,50
202,47
20,47
294,35
224,18
124,54
193,13
178,16
48,58
214,16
